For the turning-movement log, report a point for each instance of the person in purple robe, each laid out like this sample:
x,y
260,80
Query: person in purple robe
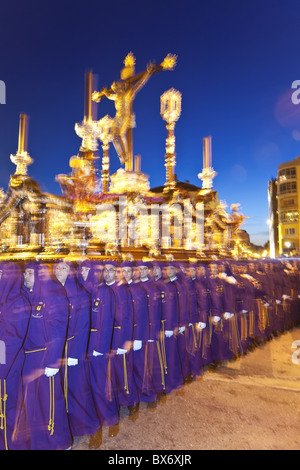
x,y
256,304
103,321
277,302
204,306
289,275
290,314
271,292
79,400
244,299
218,349
169,331
141,373
246,302
159,278
98,274
187,302
194,345
264,301
153,346
177,278
85,274
44,415
231,318
14,318
121,349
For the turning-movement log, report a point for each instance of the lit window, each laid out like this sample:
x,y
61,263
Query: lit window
x,y
289,217
287,173
287,188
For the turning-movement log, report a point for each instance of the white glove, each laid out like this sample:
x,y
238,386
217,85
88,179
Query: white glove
x,y
231,280
137,344
96,353
227,315
151,340
244,311
50,371
278,301
72,361
201,325
169,333
266,304
285,297
216,319
121,351
181,329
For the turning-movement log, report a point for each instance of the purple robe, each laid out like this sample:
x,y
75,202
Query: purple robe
x,y
102,379
231,326
193,337
153,345
142,371
122,364
218,350
80,405
181,286
45,416
169,344
14,318
204,305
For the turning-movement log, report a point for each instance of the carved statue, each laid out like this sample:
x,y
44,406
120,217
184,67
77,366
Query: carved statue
x,y
235,217
123,93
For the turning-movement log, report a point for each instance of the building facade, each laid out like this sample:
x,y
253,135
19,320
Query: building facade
x,y
286,224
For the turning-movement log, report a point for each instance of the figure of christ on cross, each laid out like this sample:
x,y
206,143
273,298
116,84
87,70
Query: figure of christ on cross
x,y
123,93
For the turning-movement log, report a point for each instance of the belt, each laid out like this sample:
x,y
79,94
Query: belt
x,y
35,350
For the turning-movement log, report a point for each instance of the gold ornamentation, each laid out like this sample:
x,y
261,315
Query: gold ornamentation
x,y
170,110
123,94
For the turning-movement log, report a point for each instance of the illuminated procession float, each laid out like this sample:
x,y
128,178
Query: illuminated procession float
x,y
101,214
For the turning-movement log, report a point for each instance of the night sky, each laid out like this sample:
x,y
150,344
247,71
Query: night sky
x,y
236,64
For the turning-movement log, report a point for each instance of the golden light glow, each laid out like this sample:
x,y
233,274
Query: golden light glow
x,y
129,60
169,62
123,93
89,216
22,159
170,110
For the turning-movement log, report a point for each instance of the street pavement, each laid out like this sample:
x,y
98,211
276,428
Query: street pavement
x,y
252,403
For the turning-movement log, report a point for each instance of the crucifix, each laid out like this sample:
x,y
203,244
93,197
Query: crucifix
x,y
123,93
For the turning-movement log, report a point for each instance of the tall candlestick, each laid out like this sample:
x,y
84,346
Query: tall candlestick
x,y
170,110
89,105
21,159
87,129
23,133
207,152
137,163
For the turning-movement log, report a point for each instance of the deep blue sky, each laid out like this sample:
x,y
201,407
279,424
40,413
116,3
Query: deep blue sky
x,y
236,63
